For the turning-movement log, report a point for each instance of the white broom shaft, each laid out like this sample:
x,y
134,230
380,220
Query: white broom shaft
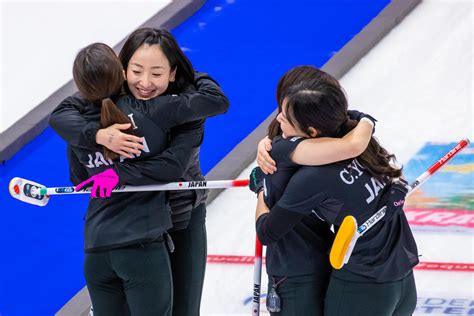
x,y
190,185
257,278
440,163
417,183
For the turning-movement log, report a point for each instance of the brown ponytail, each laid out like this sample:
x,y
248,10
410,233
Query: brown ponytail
x,y
98,74
110,114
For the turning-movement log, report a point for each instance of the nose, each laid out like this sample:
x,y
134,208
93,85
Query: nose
x,y
279,117
145,81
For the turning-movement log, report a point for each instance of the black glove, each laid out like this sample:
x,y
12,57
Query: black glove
x,y
356,115
256,180
394,198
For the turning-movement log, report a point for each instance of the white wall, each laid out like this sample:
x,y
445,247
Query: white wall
x,y
39,40
418,81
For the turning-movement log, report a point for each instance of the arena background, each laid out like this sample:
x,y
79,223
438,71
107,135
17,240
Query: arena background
x,y
415,77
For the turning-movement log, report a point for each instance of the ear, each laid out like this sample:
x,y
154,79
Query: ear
x,y
312,132
173,75
124,75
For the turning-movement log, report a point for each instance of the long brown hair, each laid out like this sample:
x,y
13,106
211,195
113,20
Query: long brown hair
x,y
320,102
98,74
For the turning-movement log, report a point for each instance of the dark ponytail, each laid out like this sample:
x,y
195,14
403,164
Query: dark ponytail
x,y
376,159
98,74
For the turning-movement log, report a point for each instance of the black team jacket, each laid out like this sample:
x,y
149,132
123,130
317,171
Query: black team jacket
x,y
305,201
173,129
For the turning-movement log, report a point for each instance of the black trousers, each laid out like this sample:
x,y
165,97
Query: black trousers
x,y
301,295
379,299
132,280
188,264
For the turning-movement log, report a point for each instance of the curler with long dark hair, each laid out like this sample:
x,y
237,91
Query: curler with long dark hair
x,y
322,105
98,74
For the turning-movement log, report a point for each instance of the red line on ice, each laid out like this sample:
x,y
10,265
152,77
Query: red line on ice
x,y
432,266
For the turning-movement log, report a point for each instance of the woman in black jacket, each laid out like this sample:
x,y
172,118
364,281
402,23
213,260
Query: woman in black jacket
x,y
202,98
378,279
297,265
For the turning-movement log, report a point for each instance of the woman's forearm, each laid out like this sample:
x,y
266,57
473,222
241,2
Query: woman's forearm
x,y
274,225
168,166
325,150
171,110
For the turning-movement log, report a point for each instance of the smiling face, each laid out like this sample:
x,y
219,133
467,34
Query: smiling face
x,y
149,73
288,130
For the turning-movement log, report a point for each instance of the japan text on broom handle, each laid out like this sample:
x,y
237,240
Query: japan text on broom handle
x,y
190,185
417,183
257,278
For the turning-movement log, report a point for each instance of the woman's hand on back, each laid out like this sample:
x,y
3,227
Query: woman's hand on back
x,y
121,143
264,161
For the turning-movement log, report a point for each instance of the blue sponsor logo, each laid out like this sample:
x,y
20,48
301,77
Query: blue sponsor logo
x,y
64,190
445,306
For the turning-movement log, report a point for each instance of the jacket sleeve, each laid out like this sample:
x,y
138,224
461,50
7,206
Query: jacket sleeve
x,y
77,171
171,164
172,110
69,123
273,226
302,195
